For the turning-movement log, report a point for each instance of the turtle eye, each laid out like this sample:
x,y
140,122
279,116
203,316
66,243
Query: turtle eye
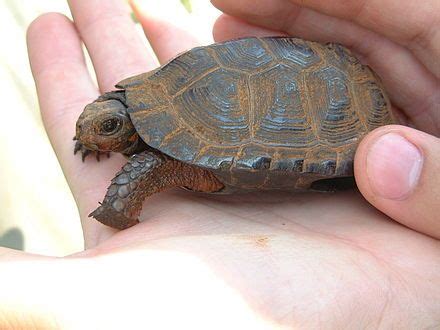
x,y
110,126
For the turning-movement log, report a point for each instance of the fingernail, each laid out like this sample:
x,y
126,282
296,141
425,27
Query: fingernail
x,y
393,167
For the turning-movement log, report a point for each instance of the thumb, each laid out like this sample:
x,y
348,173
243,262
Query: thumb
x,y
397,169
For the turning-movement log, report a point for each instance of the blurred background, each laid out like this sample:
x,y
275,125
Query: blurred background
x,y
37,211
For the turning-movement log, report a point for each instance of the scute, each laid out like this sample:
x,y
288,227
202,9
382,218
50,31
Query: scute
x,y
333,103
155,127
295,52
247,55
283,119
257,110
184,143
214,105
216,158
253,157
185,69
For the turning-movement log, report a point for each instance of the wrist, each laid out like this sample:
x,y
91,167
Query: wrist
x,y
154,289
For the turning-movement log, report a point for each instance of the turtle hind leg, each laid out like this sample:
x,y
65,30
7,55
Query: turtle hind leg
x,y
145,174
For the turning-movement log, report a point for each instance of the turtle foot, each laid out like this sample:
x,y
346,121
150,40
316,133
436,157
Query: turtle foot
x,y
112,218
86,151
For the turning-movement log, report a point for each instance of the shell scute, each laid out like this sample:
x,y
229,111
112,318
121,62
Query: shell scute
x,y
282,117
253,157
335,112
320,161
289,164
294,51
154,127
214,107
149,96
182,144
245,55
185,69
217,158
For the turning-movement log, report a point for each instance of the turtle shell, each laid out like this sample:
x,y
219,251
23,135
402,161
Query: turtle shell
x,y
281,106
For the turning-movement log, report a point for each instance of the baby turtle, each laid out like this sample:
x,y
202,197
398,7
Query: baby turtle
x,y
242,115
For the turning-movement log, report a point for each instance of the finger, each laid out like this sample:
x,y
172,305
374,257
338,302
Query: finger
x,y
397,170
228,27
172,32
64,86
112,40
412,24
61,76
117,51
410,85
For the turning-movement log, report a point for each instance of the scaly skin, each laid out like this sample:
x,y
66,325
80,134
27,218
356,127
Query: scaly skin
x,y
145,174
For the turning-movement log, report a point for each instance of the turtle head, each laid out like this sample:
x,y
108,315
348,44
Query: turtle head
x,y
105,126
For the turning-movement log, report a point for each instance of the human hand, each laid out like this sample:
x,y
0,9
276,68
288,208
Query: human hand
x,y
400,41
263,260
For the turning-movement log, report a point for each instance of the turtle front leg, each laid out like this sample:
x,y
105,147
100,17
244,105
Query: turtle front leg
x,y
145,174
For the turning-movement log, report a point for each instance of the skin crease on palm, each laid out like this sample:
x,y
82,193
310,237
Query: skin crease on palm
x,y
262,260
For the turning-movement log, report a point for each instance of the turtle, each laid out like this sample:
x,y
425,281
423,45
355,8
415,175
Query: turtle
x,y
237,116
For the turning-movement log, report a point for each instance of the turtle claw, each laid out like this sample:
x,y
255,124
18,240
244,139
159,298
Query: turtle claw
x,y
108,216
98,155
85,151
78,147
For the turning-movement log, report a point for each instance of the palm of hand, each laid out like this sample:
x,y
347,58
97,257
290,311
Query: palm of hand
x,y
293,257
